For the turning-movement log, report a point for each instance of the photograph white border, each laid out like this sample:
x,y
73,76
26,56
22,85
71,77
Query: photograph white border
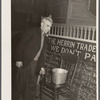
x,y
6,48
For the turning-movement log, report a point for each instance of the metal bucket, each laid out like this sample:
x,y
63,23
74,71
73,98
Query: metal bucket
x,y
59,75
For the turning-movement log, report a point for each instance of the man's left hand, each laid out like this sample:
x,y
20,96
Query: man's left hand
x,y
42,71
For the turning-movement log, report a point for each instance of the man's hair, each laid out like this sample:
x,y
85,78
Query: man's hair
x,y
49,18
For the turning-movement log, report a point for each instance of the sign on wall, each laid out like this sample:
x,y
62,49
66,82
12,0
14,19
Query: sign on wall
x,y
84,82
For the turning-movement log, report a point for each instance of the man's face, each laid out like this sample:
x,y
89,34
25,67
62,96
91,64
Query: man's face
x,y
46,26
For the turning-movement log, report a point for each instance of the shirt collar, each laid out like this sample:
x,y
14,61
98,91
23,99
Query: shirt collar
x,y
44,34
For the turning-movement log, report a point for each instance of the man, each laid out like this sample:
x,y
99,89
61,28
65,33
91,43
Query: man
x,y
30,60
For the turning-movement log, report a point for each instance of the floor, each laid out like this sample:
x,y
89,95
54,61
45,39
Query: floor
x,y
44,97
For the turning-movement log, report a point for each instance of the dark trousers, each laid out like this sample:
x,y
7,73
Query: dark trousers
x,y
25,85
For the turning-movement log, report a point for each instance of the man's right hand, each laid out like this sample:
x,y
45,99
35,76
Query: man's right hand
x,y
19,64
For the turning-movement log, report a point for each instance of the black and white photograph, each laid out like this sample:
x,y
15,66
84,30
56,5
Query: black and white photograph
x,y
53,46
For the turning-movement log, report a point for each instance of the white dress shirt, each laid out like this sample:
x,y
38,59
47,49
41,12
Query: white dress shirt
x,y
39,52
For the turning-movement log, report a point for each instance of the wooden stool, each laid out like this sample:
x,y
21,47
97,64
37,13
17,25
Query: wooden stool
x,y
54,90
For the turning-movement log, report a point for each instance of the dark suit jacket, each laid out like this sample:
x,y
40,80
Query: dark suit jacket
x,y
29,47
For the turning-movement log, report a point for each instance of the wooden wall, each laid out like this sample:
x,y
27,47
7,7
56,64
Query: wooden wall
x,y
71,12
34,9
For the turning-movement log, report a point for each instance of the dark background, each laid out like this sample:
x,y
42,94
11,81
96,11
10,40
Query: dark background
x,y
27,13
